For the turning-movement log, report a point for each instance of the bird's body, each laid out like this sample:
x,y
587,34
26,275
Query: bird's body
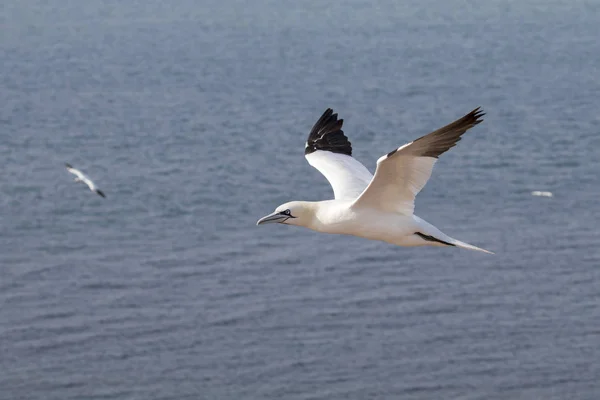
x,y
340,217
83,178
377,207
344,218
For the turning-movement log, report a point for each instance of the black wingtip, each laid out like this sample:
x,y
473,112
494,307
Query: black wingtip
x,y
68,165
327,135
476,114
100,193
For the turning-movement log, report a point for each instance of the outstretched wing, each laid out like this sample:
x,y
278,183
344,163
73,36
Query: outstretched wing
x,y
330,152
75,171
402,173
90,184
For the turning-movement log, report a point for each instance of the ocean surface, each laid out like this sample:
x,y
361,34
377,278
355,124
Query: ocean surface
x,y
192,116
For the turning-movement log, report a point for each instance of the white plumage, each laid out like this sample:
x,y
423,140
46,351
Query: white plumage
x,y
379,207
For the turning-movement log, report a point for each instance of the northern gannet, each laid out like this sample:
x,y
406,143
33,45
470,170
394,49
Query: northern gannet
x,y
81,177
379,207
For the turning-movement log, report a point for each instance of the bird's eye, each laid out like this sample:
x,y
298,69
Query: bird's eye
x,y
287,212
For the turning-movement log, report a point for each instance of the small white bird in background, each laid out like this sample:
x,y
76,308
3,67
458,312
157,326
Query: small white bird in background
x,y
81,177
541,193
379,207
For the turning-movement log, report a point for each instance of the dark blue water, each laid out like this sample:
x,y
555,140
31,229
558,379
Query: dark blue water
x,y
192,116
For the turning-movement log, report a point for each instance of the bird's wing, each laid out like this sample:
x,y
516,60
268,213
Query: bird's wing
x,y
90,184
402,173
75,172
329,151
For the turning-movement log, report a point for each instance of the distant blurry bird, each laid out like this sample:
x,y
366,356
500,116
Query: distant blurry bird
x,y
81,177
542,194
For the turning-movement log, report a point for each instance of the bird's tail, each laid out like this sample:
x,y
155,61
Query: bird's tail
x,y
468,246
430,234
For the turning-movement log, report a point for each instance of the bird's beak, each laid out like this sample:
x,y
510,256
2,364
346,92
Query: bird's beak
x,y
272,218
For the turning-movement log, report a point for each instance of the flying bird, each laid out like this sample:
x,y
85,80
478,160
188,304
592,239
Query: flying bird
x,y
541,193
81,177
379,207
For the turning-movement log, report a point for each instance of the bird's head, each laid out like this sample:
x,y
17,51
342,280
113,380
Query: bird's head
x,y
292,213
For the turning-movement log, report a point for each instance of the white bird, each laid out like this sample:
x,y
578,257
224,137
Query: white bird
x,y
81,177
542,194
379,207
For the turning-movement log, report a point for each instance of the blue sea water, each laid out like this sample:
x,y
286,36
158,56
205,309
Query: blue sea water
x,y
192,116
